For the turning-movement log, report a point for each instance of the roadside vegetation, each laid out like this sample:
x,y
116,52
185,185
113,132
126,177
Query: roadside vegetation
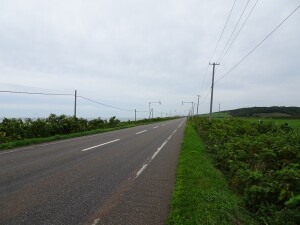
x,y
201,194
261,162
267,112
18,132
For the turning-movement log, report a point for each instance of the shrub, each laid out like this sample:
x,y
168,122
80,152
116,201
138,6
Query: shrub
x,y
262,164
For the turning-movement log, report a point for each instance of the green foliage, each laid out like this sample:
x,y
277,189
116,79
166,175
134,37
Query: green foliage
x,y
17,132
17,129
274,111
201,194
262,163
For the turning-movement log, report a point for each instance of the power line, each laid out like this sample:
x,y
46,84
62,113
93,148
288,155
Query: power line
x,y
35,93
204,77
59,94
217,44
205,96
258,44
239,31
223,31
234,30
113,107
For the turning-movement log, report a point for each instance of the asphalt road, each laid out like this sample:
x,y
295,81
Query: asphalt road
x,y
120,177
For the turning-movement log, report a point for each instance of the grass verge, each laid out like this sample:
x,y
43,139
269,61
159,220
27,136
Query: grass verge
x,y
201,194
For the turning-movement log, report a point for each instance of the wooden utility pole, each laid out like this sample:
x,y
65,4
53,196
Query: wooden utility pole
x,y
212,89
198,104
75,104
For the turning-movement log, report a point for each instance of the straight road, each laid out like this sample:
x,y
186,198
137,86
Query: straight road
x,y
120,177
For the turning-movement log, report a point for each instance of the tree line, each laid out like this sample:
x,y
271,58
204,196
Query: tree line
x,y
253,111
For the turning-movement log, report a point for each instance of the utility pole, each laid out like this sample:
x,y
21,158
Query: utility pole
x,y
198,104
212,89
219,107
75,105
192,109
159,102
135,115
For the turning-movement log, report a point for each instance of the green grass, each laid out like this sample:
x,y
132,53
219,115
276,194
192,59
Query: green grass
x,y
217,115
294,123
201,194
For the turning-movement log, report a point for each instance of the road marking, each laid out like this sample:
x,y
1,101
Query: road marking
x,y
155,127
99,145
163,125
2,153
141,132
96,221
180,124
69,140
158,150
141,170
154,155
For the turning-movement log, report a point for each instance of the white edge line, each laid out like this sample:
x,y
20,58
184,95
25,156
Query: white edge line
x,y
141,170
155,127
159,149
154,155
2,153
180,124
86,149
96,221
141,132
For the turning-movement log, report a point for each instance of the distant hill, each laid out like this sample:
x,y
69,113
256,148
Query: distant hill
x,y
271,112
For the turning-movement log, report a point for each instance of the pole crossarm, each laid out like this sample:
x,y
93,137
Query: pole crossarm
x,y
186,102
192,109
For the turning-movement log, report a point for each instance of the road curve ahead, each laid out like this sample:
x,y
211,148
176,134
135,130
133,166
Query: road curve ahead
x,y
120,177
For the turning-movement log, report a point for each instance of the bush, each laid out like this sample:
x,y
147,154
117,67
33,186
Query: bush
x,y
262,163
17,129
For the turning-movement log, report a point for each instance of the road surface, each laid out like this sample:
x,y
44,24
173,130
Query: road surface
x,y
120,177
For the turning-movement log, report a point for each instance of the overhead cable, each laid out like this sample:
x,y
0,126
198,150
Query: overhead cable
x,y
59,94
35,93
238,32
239,62
234,30
222,31
205,96
217,44
113,107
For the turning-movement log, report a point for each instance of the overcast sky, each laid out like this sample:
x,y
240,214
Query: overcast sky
x,y
126,53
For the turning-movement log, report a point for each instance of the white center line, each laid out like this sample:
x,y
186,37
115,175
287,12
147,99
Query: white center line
x,y
155,127
99,145
141,132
